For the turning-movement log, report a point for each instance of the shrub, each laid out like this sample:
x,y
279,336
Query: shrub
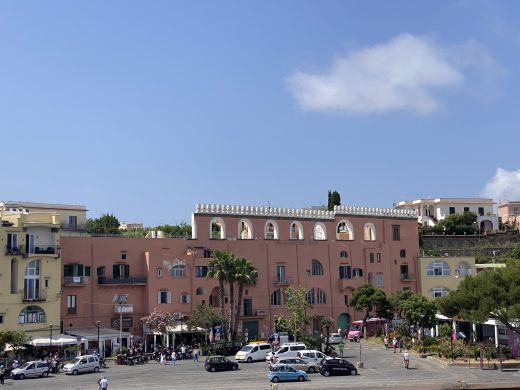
x,y
378,332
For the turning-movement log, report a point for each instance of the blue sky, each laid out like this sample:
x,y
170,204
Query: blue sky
x,y
144,109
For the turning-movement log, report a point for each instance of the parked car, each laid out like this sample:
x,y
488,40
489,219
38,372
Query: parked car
x,y
80,364
335,338
300,364
311,355
285,351
253,352
284,372
337,366
32,369
219,363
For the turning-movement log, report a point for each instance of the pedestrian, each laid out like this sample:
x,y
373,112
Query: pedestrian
x,y
394,344
174,358
163,357
2,374
103,383
183,352
196,354
386,342
341,345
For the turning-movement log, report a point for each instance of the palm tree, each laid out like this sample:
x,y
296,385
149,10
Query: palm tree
x,y
218,268
245,275
327,323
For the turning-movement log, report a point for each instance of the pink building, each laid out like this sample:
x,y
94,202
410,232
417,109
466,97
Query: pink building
x,y
328,253
509,212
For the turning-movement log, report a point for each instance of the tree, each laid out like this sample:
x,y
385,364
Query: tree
x,y
180,230
159,322
106,224
326,324
205,317
334,199
398,299
419,310
245,275
16,338
219,268
296,304
458,223
369,298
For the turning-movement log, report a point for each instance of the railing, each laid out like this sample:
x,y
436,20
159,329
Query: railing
x,y
43,250
75,280
13,250
129,280
407,277
78,226
37,296
71,310
282,281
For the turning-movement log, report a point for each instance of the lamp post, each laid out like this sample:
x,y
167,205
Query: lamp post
x,y
50,338
98,347
120,299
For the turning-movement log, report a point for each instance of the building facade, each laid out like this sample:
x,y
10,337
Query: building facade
x,y
431,211
509,213
30,285
328,253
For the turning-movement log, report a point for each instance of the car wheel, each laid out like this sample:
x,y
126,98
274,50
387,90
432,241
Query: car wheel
x,y
96,369
21,376
249,359
301,378
75,372
45,374
353,372
275,379
326,373
234,367
212,369
311,370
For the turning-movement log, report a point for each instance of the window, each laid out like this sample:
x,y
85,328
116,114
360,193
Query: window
x,y
14,276
123,255
358,273
200,291
185,298
280,273
463,269
369,232
1,318
75,270
452,210
396,232
402,253
12,242
309,296
344,272
370,278
245,230
217,229
158,272
371,257
345,299
87,271
31,281
201,271
438,268
164,296
120,271
439,292
248,307
276,298
343,254
271,230
46,283
177,271
71,304
317,268
31,314
378,257
100,271
320,232
466,209
379,280
73,222
344,231
404,271
296,231
321,298
481,211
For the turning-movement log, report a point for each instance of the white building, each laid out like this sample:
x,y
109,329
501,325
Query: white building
x,y
431,211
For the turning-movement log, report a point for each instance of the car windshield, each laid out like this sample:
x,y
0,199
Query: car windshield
x,y
247,348
76,360
26,365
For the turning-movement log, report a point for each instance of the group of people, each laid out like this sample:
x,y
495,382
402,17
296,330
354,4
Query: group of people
x,y
395,344
166,354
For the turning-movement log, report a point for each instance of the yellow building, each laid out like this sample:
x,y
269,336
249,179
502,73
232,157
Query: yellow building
x,y
30,282
439,275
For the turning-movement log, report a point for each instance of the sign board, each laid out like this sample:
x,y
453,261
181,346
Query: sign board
x,y
127,322
76,279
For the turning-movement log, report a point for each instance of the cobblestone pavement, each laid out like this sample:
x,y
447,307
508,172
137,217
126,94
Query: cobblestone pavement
x,y
382,369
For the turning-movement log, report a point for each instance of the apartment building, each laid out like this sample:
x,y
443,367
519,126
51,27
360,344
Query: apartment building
x,y
509,212
431,211
328,253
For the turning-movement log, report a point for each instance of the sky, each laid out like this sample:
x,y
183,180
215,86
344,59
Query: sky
x,y
142,109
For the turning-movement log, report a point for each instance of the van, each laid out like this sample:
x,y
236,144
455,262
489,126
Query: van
x,y
286,350
85,363
253,352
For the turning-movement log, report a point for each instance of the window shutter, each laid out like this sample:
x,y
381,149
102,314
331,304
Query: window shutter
x,y
188,297
127,271
115,271
158,297
169,297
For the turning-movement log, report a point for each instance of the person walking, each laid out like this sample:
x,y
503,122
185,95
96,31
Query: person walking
x,y
183,352
2,374
195,354
174,358
341,345
394,344
386,342
163,357
103,383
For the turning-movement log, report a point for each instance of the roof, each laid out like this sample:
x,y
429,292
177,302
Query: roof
x,y
51,206
92,332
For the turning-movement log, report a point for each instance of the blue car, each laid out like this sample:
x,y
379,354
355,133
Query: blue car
x,y
284,372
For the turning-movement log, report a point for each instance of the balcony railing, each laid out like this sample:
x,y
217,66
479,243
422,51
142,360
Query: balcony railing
x,y
43,250
282,281
71,310
75,227
407,277
13,250
75,280
35,296
130,280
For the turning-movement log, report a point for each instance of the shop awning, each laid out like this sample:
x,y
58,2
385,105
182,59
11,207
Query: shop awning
x,y
91,333
60,339
183,328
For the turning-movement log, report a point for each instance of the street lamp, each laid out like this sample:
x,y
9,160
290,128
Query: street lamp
x,y
50,338
120,299
98,348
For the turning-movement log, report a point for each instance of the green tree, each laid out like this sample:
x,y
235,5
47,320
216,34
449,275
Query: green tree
x,y
334,199
458,223
106,224
159,322
296,305
180,230
245,275
398,299
205,317
219,268
419,310
326,324
368,298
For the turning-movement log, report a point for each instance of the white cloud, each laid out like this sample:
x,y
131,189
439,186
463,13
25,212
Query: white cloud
x,y
505,185
400,75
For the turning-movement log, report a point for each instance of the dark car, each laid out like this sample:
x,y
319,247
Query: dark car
x,y
219,363
337,366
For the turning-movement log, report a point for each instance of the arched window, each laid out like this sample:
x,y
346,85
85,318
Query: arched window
x,y
463,269
271,230
309,296
321,298
245,229
317,268
370,278
344,231
14,276
320,232
343,254
296,232
31,315
438,268
276,298
217,229
369,232
440,292
200,291
177,271
31,281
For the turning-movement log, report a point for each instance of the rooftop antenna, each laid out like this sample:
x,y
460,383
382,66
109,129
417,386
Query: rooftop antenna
x,y
269,205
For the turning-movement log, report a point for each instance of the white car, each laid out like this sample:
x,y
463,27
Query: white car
x,y
81,364
335,338
253,352
286,351
311,355
300,364
32,369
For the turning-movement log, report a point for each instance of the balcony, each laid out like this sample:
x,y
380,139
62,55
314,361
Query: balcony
x,y
75,280
407,277
278,282
71,310
43,250
79,227
13,250
132,280
35,296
